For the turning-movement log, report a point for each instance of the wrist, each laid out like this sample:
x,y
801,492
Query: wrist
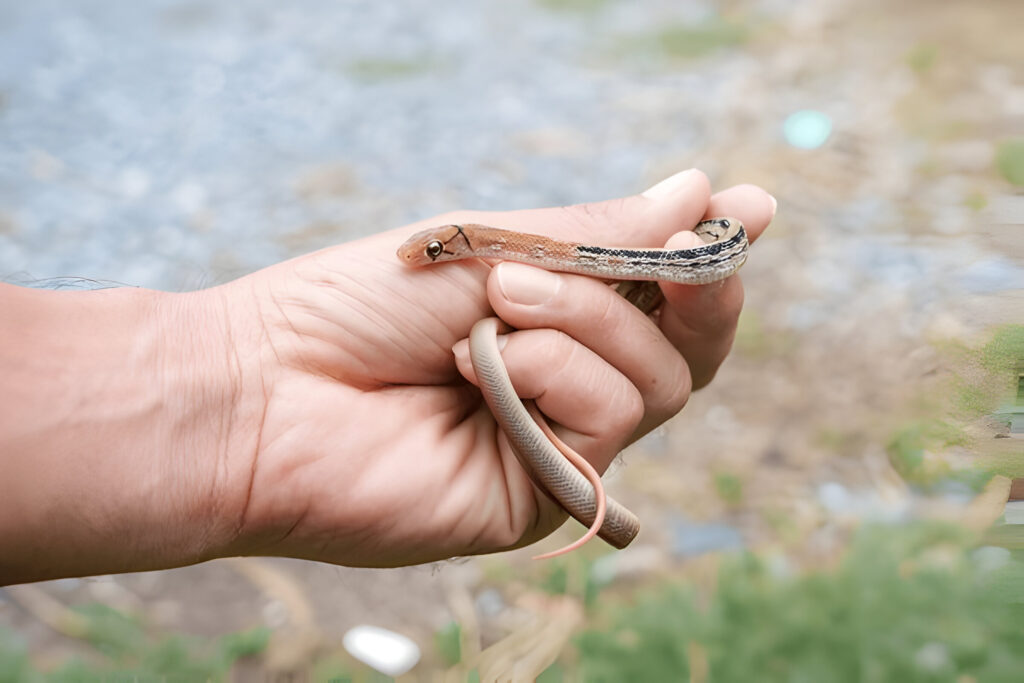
x,y
121,432
211,390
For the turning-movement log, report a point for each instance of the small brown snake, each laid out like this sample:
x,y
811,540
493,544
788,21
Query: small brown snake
x,y
558,470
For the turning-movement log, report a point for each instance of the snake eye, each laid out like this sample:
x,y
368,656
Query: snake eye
x,y
434,249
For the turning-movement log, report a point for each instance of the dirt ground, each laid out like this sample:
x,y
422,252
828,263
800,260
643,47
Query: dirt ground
x,y
895,238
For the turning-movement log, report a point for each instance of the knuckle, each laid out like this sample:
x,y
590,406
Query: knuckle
x,y
609,309
550,354
559,345
674,389
629,411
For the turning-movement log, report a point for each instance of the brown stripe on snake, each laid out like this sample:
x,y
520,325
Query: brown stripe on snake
x,y
558,470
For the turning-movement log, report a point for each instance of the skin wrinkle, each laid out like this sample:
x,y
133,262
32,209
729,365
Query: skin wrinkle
x,y
472,431
476,293
316,313
232,400
370,456
512,469
424,337
243,518
567,343
254,467
263,447
481,426
439,316
483,429
375,320
267,335
298,520
466,282
613,324
283,319
192,377
592,221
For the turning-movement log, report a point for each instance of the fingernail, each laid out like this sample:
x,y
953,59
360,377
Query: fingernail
x,y
525,285
669,185
775,205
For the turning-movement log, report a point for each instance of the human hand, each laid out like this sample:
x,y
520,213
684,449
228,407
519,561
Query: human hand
x,y
358,443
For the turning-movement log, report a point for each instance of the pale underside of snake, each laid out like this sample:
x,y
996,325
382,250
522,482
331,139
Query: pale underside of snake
x,y
561,473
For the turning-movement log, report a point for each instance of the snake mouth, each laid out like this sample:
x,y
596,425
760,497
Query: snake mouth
x,y
406,252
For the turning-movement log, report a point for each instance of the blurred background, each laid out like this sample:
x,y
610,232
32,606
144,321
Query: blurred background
x,y
833,507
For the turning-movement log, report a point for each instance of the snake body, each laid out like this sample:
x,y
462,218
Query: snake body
x,y
549,462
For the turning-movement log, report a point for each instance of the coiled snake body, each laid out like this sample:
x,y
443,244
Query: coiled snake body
x,y
560,472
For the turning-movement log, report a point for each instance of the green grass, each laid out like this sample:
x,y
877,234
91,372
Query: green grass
x,y
983,380
987,376
905,604
582,6
374,70
1010,160
127,652
448,643
908,446
1005,351
729,488
976,201
922,57
686,41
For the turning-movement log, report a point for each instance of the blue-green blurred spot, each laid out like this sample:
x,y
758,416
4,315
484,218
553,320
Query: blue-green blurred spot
x,y
807,129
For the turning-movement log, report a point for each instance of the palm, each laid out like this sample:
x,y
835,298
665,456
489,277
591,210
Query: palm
x,y
365,393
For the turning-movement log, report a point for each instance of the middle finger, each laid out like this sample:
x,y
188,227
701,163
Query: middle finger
x,y
596,316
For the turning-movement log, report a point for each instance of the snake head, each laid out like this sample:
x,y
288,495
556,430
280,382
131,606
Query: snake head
x,y
430,246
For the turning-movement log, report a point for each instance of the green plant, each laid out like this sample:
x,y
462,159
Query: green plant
x,y
908,447
922,57
583,6
1010,160
1005,350
976,200
679,41
383,69
129,653
686,41
448,642
729,488
907,604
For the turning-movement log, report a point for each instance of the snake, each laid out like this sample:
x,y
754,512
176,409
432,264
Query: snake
x,y
556,469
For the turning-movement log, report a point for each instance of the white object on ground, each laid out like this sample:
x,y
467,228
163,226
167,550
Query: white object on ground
x,y
386,651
